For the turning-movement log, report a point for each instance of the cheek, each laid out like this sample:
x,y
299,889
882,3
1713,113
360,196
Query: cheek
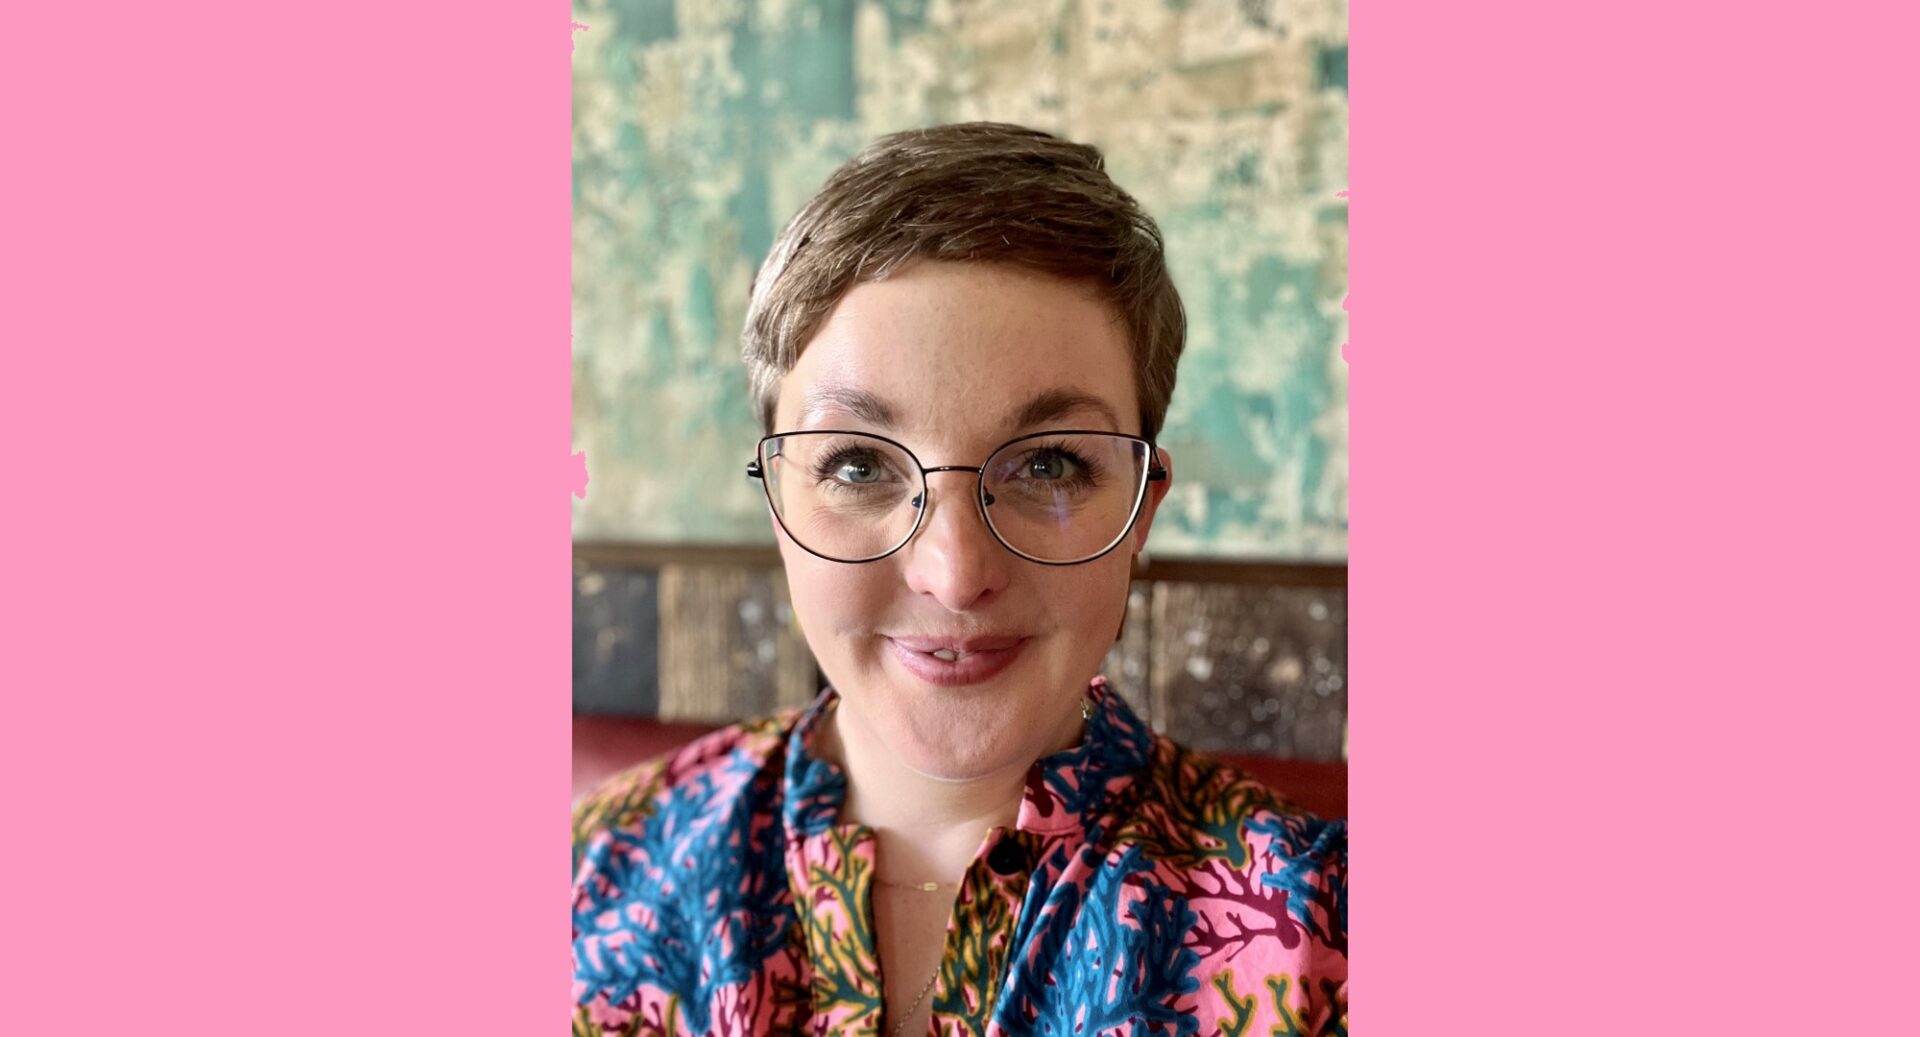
x,y
836,604
1096,601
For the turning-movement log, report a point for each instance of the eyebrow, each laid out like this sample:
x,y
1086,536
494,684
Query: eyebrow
x,y
1055,403
863,404
1043,408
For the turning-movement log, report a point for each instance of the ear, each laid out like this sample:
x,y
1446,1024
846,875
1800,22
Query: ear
x,y
1156,492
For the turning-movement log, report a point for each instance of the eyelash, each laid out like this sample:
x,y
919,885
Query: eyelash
x,y
1088,471
825,469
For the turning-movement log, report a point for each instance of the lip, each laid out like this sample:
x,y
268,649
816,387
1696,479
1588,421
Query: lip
x,y
988,643
986,658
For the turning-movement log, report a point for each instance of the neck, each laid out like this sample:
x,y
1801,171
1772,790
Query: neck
x,y
928,828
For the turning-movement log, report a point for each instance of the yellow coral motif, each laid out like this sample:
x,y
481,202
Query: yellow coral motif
x,y
1242,1008
846,970
1295,1023
977,956
1196,813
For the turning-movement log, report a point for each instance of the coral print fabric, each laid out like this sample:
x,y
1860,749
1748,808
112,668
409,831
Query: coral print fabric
x,y
1143,889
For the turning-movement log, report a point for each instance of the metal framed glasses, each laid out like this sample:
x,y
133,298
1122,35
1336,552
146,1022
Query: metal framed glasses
x,y
1056,498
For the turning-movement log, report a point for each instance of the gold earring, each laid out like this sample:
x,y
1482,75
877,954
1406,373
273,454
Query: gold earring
x,y
1086,708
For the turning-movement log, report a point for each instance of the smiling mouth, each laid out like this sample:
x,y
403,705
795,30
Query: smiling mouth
x,y
956,661
951,648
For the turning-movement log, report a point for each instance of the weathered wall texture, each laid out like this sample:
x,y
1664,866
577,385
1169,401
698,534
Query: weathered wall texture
x,y
701,126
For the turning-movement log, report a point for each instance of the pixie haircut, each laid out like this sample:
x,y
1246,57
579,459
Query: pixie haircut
x,y
976,193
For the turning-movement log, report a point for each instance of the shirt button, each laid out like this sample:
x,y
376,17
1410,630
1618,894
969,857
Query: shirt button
x,y
1007,857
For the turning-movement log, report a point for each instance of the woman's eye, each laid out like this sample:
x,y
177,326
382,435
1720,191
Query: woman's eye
x,y
1048,465
858,471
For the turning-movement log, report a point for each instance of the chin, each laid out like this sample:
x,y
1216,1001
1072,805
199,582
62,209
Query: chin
x,y
955,763
961,739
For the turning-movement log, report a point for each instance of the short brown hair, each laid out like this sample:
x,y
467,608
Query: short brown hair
x,y
972,192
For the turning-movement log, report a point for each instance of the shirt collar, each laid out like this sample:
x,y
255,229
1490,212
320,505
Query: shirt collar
x,y
1065,792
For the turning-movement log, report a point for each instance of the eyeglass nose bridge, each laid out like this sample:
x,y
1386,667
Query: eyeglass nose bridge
x,y
986,498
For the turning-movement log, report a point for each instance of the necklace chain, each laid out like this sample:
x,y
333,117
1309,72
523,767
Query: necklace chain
x,y
922,887
900,1024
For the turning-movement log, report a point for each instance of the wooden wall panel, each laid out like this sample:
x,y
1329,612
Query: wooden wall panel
x,y
1251,669
728,647
797,676
616,658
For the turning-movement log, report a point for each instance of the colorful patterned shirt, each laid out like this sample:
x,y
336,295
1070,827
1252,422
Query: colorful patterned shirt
x,y
1142,889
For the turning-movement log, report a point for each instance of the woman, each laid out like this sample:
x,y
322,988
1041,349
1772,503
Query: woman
x,y
961,350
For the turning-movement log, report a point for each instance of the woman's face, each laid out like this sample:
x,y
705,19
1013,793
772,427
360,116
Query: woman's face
x,y
949,359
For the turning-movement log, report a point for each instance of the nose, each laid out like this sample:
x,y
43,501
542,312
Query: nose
x,y
953,557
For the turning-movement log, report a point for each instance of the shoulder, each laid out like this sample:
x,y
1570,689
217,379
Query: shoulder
x,y
644,802
674,888
1219,833
1261,887
1194,803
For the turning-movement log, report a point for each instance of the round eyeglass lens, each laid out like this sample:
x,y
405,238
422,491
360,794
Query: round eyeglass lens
x,y
842,495
1065,497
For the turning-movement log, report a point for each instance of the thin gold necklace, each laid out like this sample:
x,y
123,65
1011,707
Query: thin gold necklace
x,y
922,887
900,1024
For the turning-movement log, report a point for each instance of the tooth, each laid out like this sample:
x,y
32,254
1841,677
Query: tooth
x,y
946,655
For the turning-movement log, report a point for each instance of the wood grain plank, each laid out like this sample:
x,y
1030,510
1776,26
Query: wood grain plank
x,y
1251,669
728,649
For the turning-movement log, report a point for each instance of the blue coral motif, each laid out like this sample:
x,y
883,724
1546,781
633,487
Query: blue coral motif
x,y
1305,849
718,908
1091,971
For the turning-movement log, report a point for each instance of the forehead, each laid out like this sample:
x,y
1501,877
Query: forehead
x,y
966,350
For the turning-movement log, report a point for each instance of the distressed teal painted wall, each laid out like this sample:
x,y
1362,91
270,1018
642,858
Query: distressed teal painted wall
x,y
701,126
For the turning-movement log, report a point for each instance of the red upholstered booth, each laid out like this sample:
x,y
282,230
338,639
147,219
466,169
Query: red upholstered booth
x,y
604,745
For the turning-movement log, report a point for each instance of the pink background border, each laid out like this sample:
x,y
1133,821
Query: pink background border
x,y
285,741
1630,556
290,750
